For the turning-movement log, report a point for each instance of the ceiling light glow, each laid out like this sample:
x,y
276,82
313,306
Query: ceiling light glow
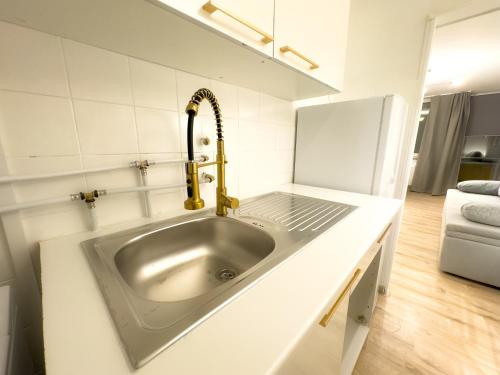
x,y
457,82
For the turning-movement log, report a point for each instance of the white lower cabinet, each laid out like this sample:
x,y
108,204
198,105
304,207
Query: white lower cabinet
x,y
319,350
362,302
332,343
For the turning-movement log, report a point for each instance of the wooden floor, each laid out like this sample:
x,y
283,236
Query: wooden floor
x,y
430,322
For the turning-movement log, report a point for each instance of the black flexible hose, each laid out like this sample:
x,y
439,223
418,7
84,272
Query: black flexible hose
x,y
196,99
190,124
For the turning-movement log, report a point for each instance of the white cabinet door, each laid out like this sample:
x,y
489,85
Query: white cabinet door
x,y
319,350
249,22
311,36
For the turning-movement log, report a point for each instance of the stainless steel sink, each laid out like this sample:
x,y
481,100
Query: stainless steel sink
x,y
190,259
162,280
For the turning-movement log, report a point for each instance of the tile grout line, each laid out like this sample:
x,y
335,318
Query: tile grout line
x,y
138,177
73,112
34,93
179,127
139,151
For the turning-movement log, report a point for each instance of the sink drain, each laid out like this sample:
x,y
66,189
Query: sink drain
x,y
226,274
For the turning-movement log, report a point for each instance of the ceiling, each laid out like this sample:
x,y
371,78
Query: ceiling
x,y
465,56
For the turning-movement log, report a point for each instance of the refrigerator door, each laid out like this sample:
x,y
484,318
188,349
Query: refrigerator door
x,y
336,144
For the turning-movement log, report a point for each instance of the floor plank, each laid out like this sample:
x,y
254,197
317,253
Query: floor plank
x,y
431,323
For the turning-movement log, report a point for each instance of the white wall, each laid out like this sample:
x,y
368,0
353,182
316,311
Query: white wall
x,y
386,42
384,50
65,105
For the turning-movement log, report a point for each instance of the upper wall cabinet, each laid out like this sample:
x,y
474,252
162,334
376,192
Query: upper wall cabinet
x,y
242,42
247,21
311,36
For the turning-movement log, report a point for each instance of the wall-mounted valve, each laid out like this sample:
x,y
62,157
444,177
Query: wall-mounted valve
x,y
142,165
88,197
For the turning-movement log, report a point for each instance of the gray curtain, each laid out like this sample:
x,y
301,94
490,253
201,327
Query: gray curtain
x,y
442,142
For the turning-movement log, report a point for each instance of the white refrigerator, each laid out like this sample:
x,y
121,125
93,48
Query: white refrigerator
x,y
355,146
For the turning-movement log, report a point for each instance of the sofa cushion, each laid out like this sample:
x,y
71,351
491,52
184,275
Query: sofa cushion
x,y
484,213
486,187
455,225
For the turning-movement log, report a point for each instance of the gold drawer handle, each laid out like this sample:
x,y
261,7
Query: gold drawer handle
x,y
328,316
382,237
210,8
298,54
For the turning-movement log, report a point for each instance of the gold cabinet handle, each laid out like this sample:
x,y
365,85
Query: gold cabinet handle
x,y
210,8
384,234
285,49
328,316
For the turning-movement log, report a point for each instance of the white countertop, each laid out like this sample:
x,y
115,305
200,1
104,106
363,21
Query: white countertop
x,y
247,336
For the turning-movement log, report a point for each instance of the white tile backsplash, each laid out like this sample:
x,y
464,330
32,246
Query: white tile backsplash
x,y
276,110
165,174
285,137
31,61
105,128
67,105
47,188
153,85
97,74
258,169
56,220
158,130
227,96
165,201
119,207
187,84
231,131
248,104
125,177
36,125
257,136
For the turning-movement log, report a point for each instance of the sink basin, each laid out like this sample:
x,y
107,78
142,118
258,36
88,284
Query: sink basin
x,y
162,280
187,260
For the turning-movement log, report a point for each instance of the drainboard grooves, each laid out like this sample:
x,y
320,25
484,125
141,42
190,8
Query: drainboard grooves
x,y
276,208
261,204
304,219
322,217
292,206
296,212
303,214
330,219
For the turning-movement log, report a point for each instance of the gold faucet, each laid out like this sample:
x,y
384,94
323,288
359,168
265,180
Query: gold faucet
x,y
194,200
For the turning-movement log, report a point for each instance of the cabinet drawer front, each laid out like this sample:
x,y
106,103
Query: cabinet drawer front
x,y
301,26
372,252
250,22
210,7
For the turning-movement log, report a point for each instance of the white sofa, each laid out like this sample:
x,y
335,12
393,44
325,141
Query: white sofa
x,y
469,249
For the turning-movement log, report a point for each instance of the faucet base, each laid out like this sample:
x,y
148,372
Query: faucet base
x,y
191,204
